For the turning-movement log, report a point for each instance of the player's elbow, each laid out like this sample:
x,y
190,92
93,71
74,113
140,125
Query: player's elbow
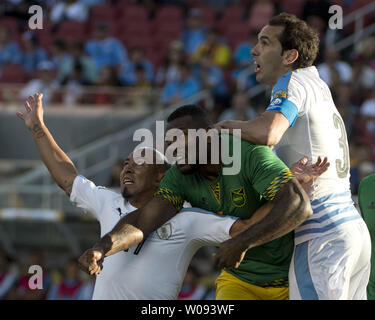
x,y
299,202
272,135
270,139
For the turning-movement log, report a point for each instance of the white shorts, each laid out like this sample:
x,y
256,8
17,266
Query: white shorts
x,y
335,266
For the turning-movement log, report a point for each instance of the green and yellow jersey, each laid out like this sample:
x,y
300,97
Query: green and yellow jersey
x,y
261,176
366,200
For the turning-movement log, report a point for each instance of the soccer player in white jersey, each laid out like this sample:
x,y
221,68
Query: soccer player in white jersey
x,y
332,248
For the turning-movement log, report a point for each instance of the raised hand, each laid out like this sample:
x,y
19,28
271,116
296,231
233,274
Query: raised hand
x,y
305,173
33,116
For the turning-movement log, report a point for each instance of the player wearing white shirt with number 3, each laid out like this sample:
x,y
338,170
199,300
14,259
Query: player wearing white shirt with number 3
x,y
332,248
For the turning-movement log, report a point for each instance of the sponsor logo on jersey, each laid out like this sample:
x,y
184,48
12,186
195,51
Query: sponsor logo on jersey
x,y
165,231
276,102
372,205
280,94
238,197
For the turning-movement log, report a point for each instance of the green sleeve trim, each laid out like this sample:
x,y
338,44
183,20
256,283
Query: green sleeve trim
x,y
276,184
168,194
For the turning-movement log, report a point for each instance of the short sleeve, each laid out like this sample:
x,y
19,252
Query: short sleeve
x,y
288,97
207,227
266,171
86,195
170,188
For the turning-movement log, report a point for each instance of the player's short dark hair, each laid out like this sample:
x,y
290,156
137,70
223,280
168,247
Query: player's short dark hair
x,y
198,114
297,35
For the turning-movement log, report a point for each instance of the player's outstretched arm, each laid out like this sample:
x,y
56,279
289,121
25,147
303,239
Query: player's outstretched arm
x,y
266,129
291,208
128,232
58,163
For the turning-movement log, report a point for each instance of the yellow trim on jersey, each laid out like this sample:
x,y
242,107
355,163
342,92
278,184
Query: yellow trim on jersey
x,y
276,184
171,197
216,191
229,287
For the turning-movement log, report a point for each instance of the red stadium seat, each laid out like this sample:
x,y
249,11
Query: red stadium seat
x,y
209,15
45,38
112,27
168,29
233,13
293,6
139,30
132,12
13,73
236,33
10,23
193,3
104,12
170,13
72,29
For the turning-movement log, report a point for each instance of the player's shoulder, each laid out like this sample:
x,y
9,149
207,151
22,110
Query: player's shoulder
x,y
294,80
173,172
83,182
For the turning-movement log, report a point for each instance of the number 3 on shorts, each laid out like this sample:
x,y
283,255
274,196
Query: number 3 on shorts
x,y
342,166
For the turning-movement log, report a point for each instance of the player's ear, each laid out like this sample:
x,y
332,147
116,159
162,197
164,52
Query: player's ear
x,y
290,56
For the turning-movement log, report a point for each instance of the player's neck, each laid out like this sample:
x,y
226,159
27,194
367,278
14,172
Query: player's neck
x,y
280,74
140,200
210,171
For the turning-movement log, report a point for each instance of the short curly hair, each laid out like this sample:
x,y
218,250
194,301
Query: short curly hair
x,y
297,35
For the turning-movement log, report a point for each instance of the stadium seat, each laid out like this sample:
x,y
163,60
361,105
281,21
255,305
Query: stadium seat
x,y
13,73
71,29
45,38
293,6
131,40
112,27
233,13
132,13
104,12
126,29
209,15
259,16
11,23
236,33
170,13
172,29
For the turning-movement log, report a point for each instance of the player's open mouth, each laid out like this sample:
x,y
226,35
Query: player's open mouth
x,y
128,181
257,67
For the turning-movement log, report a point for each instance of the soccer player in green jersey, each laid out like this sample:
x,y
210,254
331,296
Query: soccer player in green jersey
x,y
366,200
263,177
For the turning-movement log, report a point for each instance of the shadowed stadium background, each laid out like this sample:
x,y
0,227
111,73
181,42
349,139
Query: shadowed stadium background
x,y
107,68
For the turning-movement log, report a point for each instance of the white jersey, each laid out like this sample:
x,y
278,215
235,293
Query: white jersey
x,y
316,129
154,269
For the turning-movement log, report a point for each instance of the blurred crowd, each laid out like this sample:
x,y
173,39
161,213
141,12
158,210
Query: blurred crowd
x,y
70,283
67,283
